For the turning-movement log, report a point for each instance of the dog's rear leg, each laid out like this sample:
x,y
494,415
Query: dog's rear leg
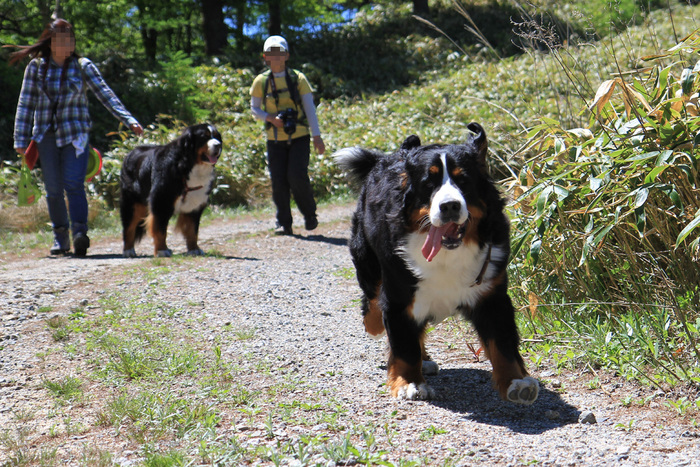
x,y
372,315
158,227
368,272
132,230
188,225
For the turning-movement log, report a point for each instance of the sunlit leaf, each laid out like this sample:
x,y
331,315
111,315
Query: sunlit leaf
x,y
642,157
583,133
603,94
688,229
640,197
687,80
535,248
641,219
651,177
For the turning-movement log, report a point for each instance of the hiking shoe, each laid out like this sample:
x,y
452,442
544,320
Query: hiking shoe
x,y
61,241
284,230
81,243
58,249
311,223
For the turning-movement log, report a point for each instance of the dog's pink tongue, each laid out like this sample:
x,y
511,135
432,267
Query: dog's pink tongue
x,y
434,241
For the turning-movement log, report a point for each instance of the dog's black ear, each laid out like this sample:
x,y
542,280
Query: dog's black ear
x,y
411,142
478,139
187,141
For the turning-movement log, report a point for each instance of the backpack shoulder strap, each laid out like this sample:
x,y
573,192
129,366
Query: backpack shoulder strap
x,y
293,85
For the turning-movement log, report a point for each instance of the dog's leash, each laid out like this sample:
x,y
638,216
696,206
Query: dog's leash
x,y
188,189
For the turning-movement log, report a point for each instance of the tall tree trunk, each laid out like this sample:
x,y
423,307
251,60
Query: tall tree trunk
x,y
46,9
420,7
149,37
215,30
58,10
239,36
275,25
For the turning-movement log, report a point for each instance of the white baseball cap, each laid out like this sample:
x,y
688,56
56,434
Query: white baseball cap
x,y
276,41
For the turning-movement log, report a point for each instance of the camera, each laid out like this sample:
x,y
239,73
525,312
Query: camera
x,y
289,117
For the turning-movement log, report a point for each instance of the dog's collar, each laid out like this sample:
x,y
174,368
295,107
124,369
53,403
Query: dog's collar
x,y
480,277
188,189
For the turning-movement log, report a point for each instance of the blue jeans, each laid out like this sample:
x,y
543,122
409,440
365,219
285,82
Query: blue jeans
x,y
64,171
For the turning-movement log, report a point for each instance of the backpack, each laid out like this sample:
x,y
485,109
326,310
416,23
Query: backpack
x,y
292,79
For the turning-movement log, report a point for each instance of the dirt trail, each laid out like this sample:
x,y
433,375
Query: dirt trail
x,y
296,299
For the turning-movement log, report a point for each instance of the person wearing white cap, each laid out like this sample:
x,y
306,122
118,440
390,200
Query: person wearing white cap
x,y
282,97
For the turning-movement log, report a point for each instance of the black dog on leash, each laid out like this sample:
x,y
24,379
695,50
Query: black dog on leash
x,y
158,182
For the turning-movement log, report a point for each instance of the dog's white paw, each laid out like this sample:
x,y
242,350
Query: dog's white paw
x,y
430,368
523,391
195,252
164,253
413,392
130,253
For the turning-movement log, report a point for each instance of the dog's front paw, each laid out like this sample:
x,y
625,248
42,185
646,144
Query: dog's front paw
x,y
130,253
164,253
195,252
413,392
523,391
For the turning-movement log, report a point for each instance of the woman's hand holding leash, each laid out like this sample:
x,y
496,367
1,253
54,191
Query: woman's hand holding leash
x,y
137,129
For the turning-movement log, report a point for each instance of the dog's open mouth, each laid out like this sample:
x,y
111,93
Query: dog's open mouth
x,y
449,235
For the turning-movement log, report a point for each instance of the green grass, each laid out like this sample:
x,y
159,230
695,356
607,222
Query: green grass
x,y
68,389
165,391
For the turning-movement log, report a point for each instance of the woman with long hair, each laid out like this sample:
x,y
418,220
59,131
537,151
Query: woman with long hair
x,y
53,112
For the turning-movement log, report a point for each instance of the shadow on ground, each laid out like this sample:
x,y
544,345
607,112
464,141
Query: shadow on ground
x,y
323,239
469,392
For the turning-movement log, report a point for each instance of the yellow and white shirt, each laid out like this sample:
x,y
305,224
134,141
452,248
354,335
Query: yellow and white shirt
x,y
307,110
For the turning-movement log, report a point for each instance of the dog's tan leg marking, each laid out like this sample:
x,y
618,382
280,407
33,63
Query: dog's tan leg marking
x,y
160,247
374,320
140,213
510,377
186,226
406,380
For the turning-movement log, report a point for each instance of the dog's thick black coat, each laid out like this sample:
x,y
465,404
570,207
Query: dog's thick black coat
x,y
430,240
158,182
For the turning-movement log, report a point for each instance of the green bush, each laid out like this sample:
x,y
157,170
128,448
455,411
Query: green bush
x,y
606,235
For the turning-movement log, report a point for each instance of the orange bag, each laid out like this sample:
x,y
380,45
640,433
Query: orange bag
x,y
31,155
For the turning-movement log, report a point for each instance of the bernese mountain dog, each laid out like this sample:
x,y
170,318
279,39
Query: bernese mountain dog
x,y
158,182
430,240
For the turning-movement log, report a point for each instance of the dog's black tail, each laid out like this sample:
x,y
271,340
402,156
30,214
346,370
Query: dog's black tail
x,y
357,163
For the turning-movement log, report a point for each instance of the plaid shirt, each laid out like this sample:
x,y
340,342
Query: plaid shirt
x,y
36,102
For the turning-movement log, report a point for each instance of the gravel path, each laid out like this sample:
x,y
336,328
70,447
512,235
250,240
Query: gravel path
x,y
298,300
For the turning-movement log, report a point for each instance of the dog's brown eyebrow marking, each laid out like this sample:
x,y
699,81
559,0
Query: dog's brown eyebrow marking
x,y
434,169
403,176
457,172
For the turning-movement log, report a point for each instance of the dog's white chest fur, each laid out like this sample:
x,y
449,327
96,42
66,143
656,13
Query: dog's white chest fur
x,y
197,189
447,281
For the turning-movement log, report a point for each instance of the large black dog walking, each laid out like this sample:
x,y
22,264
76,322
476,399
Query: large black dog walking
x,y
430,240
158,182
